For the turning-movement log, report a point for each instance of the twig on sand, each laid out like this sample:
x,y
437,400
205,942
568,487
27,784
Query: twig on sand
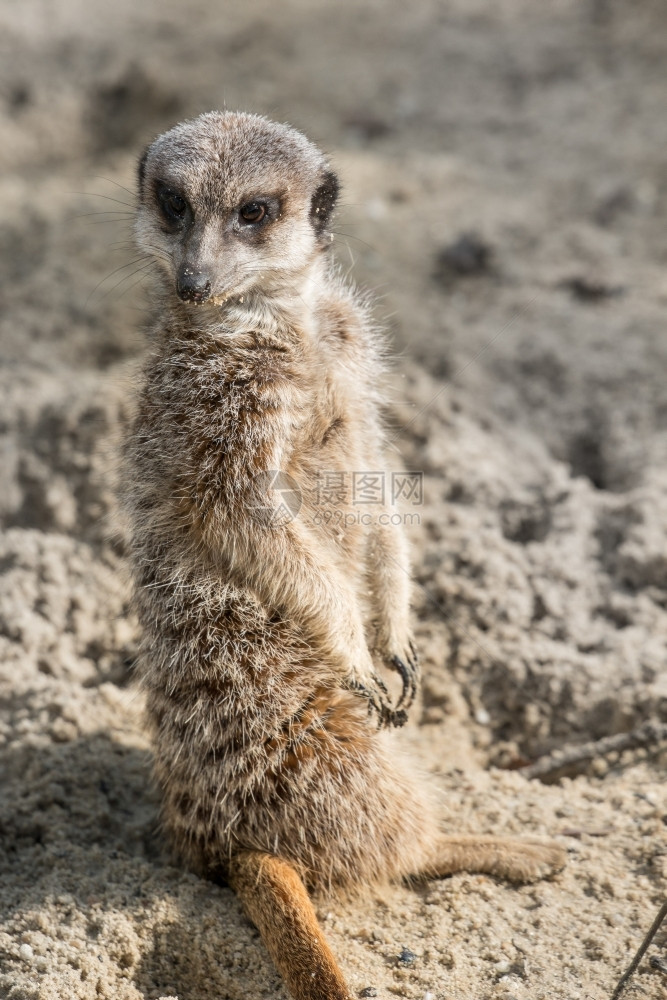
x,y
645,735
623,981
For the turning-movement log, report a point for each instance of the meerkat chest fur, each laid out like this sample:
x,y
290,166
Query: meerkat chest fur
x,y
239,397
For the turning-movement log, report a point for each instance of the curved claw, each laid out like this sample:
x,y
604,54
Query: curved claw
x,y
381,684
408,672
408,680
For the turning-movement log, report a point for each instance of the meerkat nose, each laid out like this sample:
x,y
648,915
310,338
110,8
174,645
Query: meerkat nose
x,y
193,286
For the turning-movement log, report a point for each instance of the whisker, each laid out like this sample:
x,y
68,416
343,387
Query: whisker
x,y
122,267
143,274
106,197
349,236
107,211
101,222
140,270
109,217
161,254
110,180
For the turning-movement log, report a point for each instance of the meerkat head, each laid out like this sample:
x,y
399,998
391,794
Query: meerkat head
x,y
232,203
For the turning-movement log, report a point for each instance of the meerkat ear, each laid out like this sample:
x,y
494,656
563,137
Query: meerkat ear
x,y
323,201
141,169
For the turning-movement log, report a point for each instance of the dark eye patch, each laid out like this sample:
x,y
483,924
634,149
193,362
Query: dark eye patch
x,y
173,205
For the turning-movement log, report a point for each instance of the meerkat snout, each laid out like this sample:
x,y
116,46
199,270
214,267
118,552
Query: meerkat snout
x,y
233,204
192,286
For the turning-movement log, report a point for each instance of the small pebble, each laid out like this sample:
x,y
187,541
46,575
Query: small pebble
x,y
368,991
26,952
407,957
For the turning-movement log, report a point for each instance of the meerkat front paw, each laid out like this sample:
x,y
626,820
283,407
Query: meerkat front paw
x,y
364,680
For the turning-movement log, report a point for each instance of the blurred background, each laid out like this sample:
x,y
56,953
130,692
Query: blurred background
x,y
504,197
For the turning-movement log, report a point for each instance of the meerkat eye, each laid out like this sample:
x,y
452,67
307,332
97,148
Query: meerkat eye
x,y
254,211
173,205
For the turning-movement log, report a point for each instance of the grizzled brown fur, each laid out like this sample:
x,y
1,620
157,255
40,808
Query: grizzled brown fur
x,y
263,634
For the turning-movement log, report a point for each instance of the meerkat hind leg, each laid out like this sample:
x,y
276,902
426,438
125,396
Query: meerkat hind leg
x,y
275,899
513,859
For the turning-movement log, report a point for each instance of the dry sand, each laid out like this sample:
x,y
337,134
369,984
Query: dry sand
x,y
528,387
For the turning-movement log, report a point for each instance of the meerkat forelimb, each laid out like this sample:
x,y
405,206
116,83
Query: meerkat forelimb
x,y
265,626
390,584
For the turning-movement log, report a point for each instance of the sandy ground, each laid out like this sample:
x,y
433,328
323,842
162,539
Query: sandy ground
x,y
505,196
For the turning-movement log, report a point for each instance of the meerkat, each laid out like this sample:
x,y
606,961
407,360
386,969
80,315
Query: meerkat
x,y
264,637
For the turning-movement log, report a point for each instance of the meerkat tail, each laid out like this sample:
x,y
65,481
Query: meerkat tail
x,y
514,860
275,899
